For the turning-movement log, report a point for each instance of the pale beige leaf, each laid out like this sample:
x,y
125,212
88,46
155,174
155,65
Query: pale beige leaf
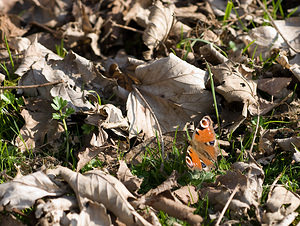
x,y
174,89
290,28
160,23
94,214
22,192
39,69
280,206
187,194
102,188
54,206
131,182
265,39
232,85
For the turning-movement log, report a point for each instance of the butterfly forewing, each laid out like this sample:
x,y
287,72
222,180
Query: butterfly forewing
x,y
203,150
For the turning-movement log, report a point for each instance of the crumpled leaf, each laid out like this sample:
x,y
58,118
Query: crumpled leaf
x,y
280,207
187,194
11,26
55,205
250,188
138,12
131,182
160,23
49,13
290,28
54,210
38,125
174,89
291,144
293,65
73,70
94,214
161,199
22,192
233,85
265,39
104,189
273,85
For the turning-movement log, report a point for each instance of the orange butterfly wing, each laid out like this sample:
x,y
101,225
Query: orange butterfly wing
x,y
203,151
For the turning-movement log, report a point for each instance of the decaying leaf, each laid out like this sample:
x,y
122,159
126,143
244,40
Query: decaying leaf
x,y
273,85
131,182
264,39
39,125
22,192
73,70
160,23
161,198
104,189
233,85
93,213
187,194
174,89
54,210
280,207
250,188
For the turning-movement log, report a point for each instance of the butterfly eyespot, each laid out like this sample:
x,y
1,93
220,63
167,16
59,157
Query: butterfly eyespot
x,y
204,123
203,165
189,161
212,143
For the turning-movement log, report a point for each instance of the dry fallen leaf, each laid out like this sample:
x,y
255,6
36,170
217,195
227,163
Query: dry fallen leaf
x,y
131,182
280,207
38,126
265,39
160,23
74,70
54,210
22,192
187,194
250,179
273,85
174,89
102,188
233,85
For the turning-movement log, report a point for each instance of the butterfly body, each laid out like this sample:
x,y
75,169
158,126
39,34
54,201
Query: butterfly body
x,y
203,151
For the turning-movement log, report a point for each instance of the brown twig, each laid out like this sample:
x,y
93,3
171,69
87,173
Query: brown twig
x,y
126,27
31,86
275,26
227,204
273,184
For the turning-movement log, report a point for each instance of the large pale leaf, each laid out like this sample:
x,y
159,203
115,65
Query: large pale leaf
x,y
174,89
105,189
160,23
22,192
281,207
40,66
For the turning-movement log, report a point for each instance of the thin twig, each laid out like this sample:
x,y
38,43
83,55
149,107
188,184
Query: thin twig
x,y
255,133
227,204
156,121
31,86
126,27
275,26
273,184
